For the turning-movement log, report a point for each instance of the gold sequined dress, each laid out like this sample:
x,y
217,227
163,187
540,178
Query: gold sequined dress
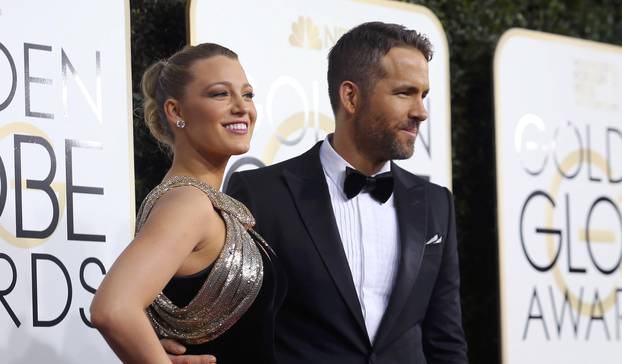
x,y
227,309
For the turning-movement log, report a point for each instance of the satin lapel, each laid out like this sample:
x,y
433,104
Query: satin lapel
x,y
411,202
310,194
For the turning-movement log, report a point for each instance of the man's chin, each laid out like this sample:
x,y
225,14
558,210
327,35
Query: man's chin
x,y
403,152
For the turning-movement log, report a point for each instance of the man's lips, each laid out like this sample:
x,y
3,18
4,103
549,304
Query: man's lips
x,y
410,131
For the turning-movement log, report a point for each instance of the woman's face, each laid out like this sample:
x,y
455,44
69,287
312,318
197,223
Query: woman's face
x,y
218,108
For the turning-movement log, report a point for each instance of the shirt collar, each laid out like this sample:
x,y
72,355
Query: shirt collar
x,y
335,166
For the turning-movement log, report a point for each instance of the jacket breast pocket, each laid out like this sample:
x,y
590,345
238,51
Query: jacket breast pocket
x,y
433,249
434,244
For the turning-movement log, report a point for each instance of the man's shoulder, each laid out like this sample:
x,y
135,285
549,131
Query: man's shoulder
x,y
295,164
270,170
413,179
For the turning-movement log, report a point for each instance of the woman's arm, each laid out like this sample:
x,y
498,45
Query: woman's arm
x,y
181,220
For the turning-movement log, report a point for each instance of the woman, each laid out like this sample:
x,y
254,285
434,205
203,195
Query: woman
x,y
194,272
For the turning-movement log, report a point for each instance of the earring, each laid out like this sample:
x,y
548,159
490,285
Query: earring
x,y
181,124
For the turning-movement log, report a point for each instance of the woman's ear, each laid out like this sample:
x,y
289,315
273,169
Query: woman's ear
x,y
172,110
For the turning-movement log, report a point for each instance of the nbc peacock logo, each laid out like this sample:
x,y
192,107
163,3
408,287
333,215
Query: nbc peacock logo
x,y
305,34
309,35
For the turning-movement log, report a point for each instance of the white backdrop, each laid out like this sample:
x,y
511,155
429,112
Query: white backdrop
x,y
558,104
283,46
66,172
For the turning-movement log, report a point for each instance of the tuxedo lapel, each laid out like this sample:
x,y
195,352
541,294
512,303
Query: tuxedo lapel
x,y
307,184
411,205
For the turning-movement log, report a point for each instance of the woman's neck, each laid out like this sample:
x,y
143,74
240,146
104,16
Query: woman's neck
x,y
210,171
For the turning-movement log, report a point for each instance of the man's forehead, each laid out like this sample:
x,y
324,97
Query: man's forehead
x,y
405,65
404,56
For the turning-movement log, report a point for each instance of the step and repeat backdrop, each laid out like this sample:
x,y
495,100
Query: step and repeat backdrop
x,y
67,182
66,172
66,153
285,58
558,104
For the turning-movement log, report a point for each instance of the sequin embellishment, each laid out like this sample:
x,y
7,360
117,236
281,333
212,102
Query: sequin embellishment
x,y
231,286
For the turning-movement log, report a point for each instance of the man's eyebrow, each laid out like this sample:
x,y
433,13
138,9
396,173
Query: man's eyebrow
x,y
411,88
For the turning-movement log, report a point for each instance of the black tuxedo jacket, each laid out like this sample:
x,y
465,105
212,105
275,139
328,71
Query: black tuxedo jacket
x,y
321,320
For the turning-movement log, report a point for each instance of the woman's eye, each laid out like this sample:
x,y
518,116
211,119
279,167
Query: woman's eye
x,y
249,95
219,94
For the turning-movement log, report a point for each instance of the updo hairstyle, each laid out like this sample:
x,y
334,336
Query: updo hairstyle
x,y
168,79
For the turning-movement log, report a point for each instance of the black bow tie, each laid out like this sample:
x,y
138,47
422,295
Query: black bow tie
x,y
380,186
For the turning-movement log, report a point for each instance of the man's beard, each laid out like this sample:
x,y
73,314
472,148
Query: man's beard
x,y
380,141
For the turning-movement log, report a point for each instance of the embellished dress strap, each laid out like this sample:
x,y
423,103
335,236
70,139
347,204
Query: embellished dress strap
x,y
219,200
231,286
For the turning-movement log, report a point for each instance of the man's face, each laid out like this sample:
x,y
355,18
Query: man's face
x,y
387,124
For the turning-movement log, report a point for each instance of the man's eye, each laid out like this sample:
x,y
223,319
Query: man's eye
x,y
249,95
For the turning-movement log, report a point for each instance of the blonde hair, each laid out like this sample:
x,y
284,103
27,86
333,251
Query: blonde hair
x,y
168,79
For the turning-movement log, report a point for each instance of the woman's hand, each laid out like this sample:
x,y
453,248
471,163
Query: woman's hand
x,y
175,352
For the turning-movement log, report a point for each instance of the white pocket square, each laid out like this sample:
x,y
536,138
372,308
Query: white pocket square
x,y
436,239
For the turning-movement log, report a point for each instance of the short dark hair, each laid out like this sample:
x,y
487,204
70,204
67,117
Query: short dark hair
x,y
356,55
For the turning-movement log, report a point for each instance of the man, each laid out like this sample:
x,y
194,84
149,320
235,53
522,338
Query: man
x,y
371,262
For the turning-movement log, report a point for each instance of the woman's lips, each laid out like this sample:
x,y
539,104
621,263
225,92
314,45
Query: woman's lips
x,y
237,127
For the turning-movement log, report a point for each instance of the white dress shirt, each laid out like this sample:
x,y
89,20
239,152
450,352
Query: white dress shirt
x,y
369,234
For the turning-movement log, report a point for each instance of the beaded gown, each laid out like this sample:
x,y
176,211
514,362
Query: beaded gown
x,y
228,309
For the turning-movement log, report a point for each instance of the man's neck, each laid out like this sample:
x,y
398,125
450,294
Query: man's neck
x,y
351,153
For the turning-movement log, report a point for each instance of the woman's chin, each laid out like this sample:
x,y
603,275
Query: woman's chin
x,y
241,149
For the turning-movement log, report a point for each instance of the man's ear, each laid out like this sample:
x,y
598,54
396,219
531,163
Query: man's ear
x,y
350,97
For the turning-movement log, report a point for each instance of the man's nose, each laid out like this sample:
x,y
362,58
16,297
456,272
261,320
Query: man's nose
x,y
418,110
